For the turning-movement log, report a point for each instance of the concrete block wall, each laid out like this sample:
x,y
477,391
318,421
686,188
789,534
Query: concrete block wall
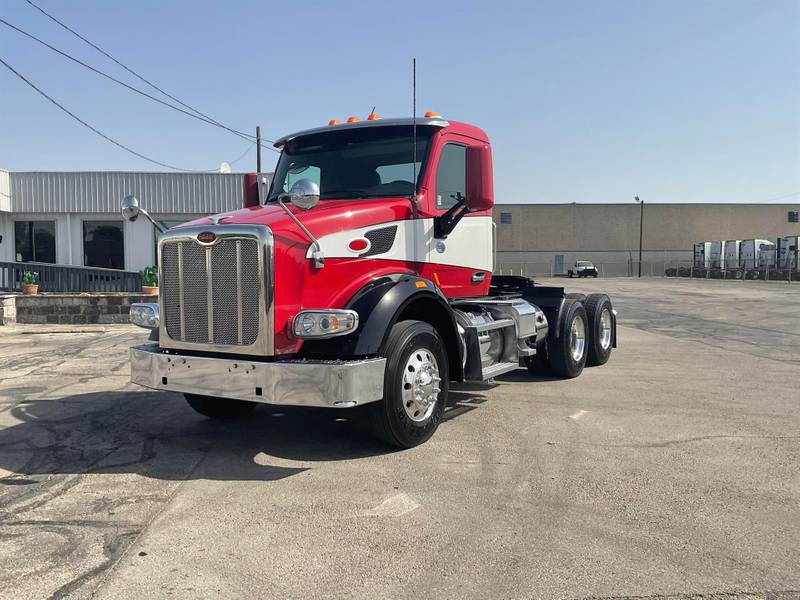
x,y
70,309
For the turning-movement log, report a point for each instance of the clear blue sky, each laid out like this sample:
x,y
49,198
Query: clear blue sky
x,y
676,101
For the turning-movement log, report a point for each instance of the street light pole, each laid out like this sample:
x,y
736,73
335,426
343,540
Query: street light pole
x,y
641,228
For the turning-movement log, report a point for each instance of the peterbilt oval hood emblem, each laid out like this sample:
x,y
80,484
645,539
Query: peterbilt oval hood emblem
x,y
206,237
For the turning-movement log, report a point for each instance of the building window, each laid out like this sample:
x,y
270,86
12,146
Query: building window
x,y
451,177
35,241
505,218
103,244
794,216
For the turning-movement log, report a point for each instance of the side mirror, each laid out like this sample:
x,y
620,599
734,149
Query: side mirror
x,y
131,211
130,208
480,189
304,193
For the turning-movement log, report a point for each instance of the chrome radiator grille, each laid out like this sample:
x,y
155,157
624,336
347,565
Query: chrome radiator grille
x,y
210,294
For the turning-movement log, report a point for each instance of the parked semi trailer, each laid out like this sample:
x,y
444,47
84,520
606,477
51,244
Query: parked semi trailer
x,y
756,257
363,276
701,259
733,260
717,259
788,257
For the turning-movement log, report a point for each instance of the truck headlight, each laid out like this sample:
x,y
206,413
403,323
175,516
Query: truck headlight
x,y
144,314
324,323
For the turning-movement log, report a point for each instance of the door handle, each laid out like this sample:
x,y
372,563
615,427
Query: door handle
x,y
478,277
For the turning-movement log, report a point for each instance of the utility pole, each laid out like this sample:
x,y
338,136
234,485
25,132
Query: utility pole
x,y
641,228
258,149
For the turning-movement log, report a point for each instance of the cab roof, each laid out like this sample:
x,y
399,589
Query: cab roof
x,y
439,122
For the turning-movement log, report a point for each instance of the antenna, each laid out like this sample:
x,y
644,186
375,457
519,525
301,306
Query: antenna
x,y
414,118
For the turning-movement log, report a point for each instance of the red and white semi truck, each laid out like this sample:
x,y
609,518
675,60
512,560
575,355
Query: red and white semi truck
x,y
361,276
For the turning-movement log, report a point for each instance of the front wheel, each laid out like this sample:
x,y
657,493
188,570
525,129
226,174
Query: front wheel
x,y
219,408
415,385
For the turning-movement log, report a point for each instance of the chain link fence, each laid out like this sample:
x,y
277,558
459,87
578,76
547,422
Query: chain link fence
x,y
604,269
763,272
769,266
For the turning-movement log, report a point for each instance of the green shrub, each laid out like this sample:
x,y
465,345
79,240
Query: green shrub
x,y
150,276
30,277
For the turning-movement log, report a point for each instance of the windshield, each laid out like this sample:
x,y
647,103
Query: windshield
x,y
584,263
372,162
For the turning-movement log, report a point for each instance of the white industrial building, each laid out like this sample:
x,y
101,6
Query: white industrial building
x,y
74,218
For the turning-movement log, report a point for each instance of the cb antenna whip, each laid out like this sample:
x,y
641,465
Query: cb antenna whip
x,y
414,118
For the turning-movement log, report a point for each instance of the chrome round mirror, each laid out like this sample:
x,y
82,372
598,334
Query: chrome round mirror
x,y
130,208
304,193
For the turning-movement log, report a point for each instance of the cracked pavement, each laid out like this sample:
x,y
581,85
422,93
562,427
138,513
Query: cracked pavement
x,y
672,472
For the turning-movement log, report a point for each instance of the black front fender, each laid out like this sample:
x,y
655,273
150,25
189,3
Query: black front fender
x,y
380,305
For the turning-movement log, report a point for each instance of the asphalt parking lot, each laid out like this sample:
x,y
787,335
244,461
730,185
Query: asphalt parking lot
x,y
673,470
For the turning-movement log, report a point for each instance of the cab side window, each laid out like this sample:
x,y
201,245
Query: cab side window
x,y
451,176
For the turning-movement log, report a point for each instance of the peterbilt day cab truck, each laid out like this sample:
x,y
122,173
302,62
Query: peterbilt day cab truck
x,y
361,277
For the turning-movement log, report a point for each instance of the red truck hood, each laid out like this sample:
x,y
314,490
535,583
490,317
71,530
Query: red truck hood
x,y
329,216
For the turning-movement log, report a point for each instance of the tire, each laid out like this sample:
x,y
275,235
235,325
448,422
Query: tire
x,y
415,357
599,328
576,296
570,274
219,408
560,349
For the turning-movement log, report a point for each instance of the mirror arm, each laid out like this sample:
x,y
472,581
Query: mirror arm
x,y
155,223
444,224
319,258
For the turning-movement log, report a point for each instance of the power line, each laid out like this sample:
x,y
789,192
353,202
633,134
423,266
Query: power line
x,y
128,69
779,197
241,134
95,130
241,156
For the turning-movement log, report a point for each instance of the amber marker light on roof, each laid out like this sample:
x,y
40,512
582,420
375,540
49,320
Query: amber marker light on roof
x,y
373,117
432,115
334,122
353,119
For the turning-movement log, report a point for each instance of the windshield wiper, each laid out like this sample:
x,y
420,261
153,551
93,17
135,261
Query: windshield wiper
x,y
338,195
334,194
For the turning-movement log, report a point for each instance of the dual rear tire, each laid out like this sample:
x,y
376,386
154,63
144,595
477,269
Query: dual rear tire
x,y
583,335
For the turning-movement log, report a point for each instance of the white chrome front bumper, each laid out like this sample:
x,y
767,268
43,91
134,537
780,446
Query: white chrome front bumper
x,y
330,383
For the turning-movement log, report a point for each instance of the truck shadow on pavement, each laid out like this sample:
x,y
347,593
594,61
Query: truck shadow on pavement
x,y
158,435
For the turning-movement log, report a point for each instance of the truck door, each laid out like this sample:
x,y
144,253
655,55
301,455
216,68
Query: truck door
x,y
463,261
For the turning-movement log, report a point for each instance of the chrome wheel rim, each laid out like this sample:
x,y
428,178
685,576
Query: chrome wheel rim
x,y
420,388
577,338
605,329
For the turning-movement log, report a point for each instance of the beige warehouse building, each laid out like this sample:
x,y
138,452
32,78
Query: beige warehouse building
x,y
539,239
